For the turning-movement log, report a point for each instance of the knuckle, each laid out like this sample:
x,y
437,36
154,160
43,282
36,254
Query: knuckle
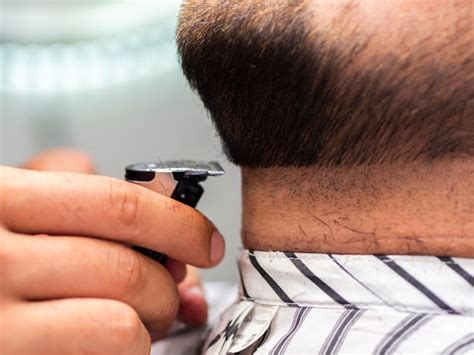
x,y
129,271
125,201
126,327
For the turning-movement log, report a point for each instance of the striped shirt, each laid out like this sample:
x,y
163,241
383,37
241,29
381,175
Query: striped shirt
x,y
304,303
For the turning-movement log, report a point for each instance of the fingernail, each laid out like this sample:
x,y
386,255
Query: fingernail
x,y
217,247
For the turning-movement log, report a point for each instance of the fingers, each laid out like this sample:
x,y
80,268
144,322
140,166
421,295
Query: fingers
x,y
73,326
95,206
66,267
61,160
163,184
193,309
176,269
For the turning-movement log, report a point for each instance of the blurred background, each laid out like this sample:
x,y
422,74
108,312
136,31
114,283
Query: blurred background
x,y
104,77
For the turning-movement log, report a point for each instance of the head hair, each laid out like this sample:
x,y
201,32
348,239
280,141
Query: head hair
x,y
284,92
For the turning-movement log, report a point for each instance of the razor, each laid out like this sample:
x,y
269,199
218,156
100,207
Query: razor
x,y
188,174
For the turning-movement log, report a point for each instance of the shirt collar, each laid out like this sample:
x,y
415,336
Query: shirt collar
x,y
408,283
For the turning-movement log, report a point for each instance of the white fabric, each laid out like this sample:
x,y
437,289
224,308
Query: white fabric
x,y
188,341
301,303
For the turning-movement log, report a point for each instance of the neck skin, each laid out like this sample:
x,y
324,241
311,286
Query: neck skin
x,y
387,209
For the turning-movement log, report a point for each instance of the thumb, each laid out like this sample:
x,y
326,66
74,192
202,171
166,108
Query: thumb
x,y
61,159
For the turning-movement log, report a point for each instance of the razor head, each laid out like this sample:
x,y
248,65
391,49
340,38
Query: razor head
x,y
188,190
181,170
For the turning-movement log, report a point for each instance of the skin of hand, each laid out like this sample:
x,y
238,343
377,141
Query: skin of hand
x,y
70,283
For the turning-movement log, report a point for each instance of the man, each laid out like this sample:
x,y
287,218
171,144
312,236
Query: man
x,y
353,122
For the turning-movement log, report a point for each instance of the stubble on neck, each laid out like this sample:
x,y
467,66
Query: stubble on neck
x,y
410,208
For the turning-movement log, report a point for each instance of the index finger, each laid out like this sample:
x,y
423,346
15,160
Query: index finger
x,y
96,206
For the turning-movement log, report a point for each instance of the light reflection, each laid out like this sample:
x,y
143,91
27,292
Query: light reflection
x,y
84,65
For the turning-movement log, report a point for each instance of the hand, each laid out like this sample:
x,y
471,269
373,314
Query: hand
x,y
70,283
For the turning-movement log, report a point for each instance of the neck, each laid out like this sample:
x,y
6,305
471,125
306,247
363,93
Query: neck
x,y
386,209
